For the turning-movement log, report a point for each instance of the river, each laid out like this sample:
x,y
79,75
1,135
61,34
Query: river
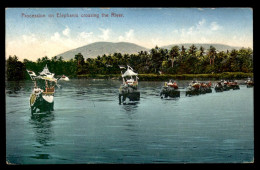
x,y
88,125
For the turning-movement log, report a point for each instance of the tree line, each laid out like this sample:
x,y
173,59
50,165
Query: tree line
x,y
177,60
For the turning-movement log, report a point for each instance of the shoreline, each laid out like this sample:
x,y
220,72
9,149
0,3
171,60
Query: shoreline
x,y
157,77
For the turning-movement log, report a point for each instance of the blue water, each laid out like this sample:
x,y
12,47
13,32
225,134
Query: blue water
x,y
89,126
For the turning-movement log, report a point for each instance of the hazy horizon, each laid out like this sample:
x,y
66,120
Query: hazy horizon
x,y
34,59
34,37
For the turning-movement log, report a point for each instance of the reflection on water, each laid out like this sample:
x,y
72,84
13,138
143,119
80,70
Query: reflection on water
x,y
13,87
16,87
42,127
171,98
41,156
43,133
131,107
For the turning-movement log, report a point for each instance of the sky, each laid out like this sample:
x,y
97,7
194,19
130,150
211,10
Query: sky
x,y
57,30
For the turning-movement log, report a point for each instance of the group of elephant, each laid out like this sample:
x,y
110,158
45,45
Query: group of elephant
x,y
194,88
226,85
197,88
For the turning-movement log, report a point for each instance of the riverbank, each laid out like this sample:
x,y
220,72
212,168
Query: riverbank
x,y
157,77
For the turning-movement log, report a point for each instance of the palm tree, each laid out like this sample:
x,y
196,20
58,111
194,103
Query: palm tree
x,y
38,60
79,58
156,58
192,50
54,59
202,51
60,59
183,51
174,52
212,54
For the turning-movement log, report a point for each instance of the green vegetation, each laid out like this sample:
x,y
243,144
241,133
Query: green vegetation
x,y
157,64
215,76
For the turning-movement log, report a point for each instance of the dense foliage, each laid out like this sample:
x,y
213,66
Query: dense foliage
x,y
177,60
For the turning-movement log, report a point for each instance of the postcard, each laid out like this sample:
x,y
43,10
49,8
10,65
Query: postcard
x,y
129,85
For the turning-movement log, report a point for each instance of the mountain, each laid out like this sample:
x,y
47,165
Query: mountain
x,y
219,47
100,48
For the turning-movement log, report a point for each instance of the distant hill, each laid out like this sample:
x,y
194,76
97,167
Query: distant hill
x,y
219,47
100,48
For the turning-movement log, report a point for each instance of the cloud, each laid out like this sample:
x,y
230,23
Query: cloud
x,y
85,38
56,37
32,47
85,34
27,39
156,41
194,30
242,40
50,46
205,31
105,34
214,26
129,36
66,32
198,32
201,23
190,31
61,43
26,46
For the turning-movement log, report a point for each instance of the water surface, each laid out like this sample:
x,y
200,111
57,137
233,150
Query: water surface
x,y
89,126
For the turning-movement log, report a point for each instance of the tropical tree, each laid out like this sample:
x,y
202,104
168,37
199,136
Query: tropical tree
x,y
202,51
174,52
15,70
192,50
79,58
212,54
190,64
80,63
156,58
245,59
234,64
